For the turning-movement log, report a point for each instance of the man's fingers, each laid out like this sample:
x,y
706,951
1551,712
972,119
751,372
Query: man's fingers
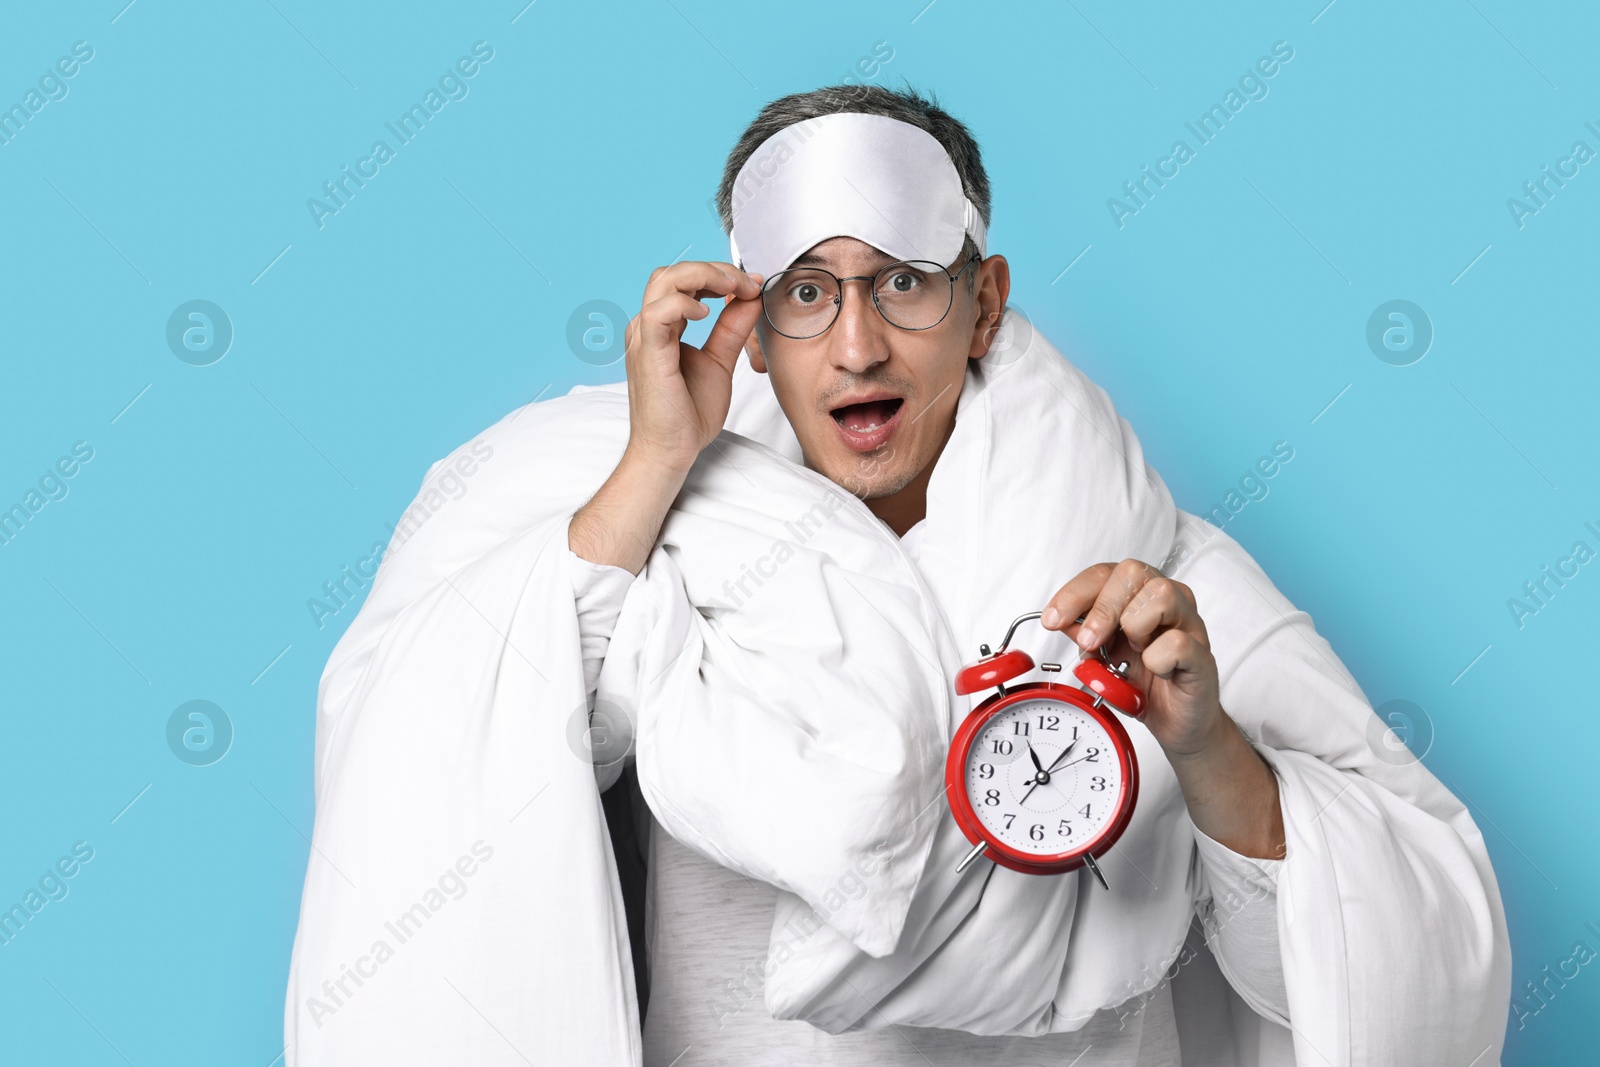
x,y
1102,618
700,278
1100,594
661,321
1160,604
691,276
731,331
1074,598
1172,651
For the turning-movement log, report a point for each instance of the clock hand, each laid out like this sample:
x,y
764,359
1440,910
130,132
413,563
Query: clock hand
x,y
1063,755
1035,757
1024,798
1045,773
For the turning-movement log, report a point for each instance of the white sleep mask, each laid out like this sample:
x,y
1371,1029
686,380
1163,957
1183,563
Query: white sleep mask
x,y
870,177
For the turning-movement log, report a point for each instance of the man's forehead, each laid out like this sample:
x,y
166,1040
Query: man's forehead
x,y
840,252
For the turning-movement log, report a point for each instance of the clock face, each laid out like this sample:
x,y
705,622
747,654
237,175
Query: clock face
x,y
1083,788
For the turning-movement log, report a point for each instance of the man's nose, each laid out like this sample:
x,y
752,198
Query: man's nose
x,y
858,339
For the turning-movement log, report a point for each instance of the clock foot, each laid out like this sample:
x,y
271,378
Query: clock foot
x,y
974,854
1089,862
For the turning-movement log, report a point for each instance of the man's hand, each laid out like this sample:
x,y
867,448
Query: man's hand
x,y
678,394
1154,624
678,397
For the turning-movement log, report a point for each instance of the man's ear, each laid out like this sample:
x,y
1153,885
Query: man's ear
x,y
991,291
752,345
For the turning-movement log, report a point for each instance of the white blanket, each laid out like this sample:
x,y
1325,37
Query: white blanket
x,y
788,672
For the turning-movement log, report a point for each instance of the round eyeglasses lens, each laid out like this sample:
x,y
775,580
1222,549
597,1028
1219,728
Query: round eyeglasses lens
x,y
801,303
914,295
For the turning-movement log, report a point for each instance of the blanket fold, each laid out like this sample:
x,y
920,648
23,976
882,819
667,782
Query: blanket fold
x,y
783,672
777,735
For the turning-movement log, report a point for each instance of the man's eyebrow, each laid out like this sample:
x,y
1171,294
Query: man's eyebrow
x,y
811,259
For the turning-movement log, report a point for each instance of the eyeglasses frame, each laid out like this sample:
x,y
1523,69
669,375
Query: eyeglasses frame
x,y
838,303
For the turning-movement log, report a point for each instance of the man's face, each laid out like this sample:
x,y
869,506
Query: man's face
x,y
870,403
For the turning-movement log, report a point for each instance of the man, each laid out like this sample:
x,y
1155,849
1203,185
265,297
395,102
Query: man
x,y
861,291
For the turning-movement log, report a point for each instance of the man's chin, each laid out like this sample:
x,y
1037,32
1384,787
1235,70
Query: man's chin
x,y
868,476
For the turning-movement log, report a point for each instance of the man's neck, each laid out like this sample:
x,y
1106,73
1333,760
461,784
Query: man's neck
x,y
902,510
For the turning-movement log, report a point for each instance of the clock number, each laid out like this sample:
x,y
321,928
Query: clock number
x,y
1093,755
1084,811
1036,831
1098,784
992,797
1001,746
1065,829
1074,733
1009,817
1049,722
985,770
1020,726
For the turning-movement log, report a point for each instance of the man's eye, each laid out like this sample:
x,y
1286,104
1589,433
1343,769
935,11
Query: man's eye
x,y
903,282
807,293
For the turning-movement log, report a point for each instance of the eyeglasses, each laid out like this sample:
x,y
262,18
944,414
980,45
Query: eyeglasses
x,y
803,302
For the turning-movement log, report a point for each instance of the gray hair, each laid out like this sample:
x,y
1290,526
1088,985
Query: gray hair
x,y
906,104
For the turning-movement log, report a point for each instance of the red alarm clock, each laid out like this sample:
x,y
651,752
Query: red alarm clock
x,y
1042,776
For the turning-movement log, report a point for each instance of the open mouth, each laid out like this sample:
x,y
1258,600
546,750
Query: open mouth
x,y
867,425
864,418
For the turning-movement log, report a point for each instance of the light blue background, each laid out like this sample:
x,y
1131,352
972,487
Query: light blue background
x,y
1223,317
